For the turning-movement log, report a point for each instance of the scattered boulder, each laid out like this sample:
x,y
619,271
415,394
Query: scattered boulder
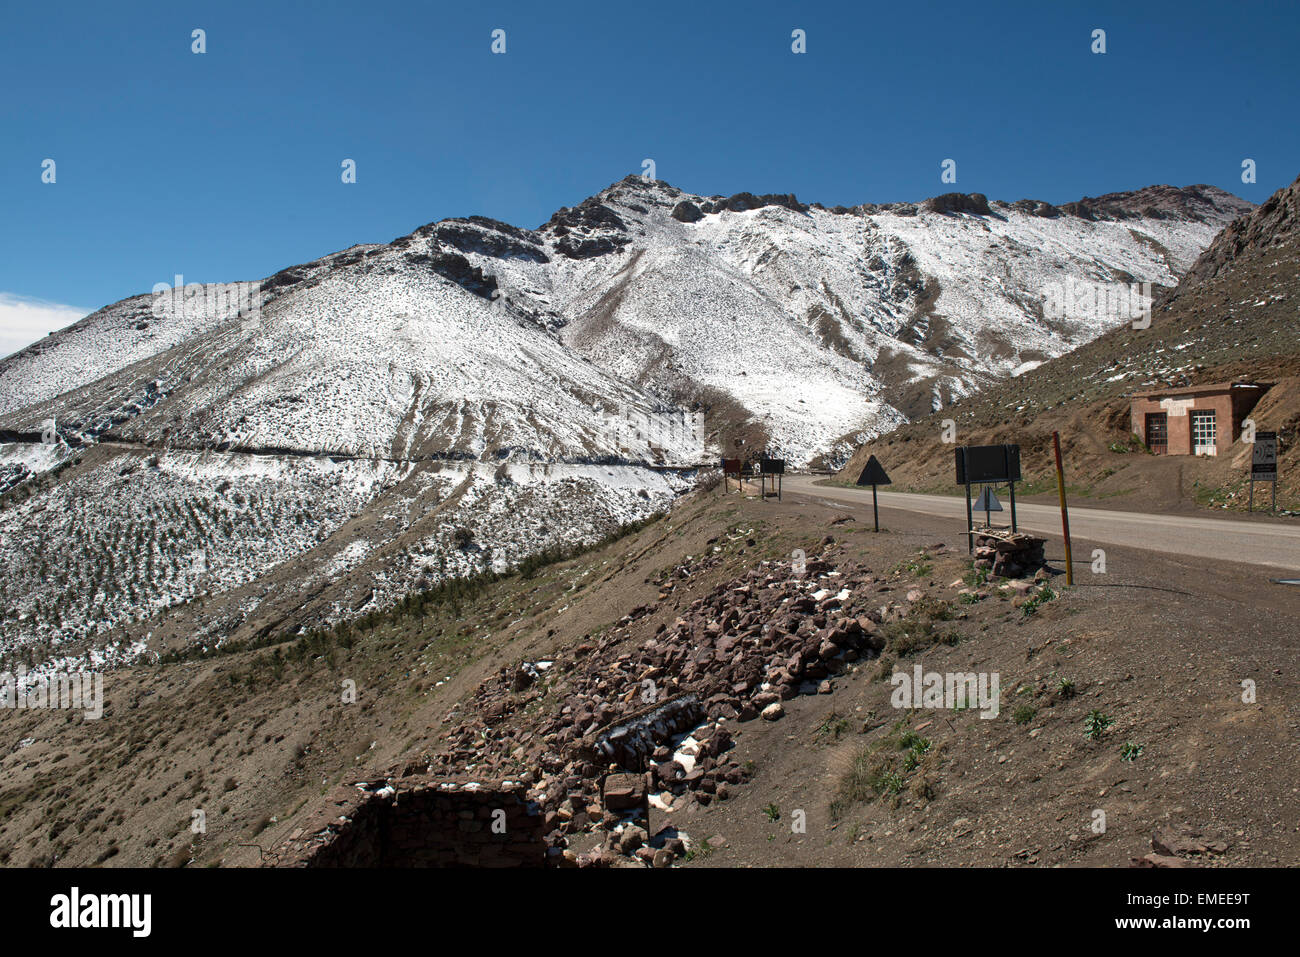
x,y
687,212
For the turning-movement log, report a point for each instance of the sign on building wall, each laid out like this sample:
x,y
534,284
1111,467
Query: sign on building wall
x,y
1177,407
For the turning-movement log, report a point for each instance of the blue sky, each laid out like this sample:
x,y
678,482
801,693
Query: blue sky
x,y
226,165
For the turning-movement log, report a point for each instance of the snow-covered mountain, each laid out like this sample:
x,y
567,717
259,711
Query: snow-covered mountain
x,y
307,445
816,321
473,338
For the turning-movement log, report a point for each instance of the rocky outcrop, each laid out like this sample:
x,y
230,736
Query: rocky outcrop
x,y
687,212
1036,207
742,202
487,237
589,229
1271,224
976,204
458,269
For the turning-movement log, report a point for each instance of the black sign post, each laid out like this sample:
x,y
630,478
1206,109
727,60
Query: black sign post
x,y
732,467
774,468
873,474
963,477
1263,466
987,465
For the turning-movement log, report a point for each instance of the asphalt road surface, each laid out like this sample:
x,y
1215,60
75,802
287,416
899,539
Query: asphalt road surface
x,y
1256,543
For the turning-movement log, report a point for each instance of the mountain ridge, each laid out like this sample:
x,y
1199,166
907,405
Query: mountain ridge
x,y
477,253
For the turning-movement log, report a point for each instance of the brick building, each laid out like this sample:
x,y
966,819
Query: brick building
x,y
1193,420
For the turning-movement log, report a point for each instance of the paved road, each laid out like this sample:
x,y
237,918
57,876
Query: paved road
x,y
1256,543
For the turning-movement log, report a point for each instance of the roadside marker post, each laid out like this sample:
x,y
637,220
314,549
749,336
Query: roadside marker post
x,y
1065,514
988,503
873,474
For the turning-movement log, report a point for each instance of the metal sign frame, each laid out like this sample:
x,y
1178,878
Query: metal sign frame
x,y
732,467
774,468
1263,467
994,465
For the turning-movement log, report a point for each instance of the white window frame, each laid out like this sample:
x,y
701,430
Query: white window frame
x,y
1198,419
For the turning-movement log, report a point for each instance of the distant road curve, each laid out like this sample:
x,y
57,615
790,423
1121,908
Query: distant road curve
x,y
1254,543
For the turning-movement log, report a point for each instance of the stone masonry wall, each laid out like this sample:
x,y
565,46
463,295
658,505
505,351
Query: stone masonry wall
x,y
419,822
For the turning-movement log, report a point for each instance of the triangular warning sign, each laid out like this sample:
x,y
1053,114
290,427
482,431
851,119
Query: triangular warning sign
x,y
988,502
873,474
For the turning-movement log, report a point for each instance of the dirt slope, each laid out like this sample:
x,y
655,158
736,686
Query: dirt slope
x,y
255,737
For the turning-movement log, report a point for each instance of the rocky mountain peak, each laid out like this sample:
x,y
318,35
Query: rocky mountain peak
x,y
1275,222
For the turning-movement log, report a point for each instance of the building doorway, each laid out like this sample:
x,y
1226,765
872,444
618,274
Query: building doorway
x,y
1157,432
1204,433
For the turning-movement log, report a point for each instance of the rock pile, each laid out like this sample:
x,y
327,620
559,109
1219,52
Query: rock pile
x,y
1171,848
661,707
1009,554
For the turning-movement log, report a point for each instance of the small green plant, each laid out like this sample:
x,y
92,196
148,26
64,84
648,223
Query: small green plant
x,y
885,667
884,769
773,812
1024,714
1130,751
699,852
1042,598
911,741
832,727
1066,688
915,746
976,576
971,598
916,567
889,782
1095,724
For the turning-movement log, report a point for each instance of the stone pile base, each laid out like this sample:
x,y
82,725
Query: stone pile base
x,y
1009,554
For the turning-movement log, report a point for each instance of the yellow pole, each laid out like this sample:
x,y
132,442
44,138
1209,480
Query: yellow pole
x,y
1065,515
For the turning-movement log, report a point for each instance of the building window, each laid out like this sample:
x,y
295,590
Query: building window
x,y
1203,433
